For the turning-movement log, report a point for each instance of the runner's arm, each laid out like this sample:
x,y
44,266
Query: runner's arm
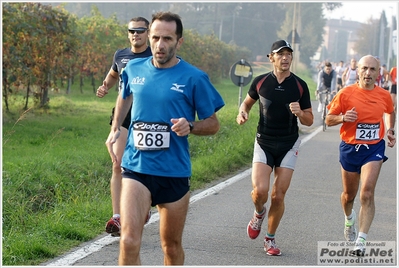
x,y
109,81
244,109
306,117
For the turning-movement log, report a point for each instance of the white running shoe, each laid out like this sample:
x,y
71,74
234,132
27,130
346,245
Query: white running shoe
x,y
319,108
350,231
359,250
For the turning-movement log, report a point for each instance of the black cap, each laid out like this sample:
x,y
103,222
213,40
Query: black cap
x,y
278,45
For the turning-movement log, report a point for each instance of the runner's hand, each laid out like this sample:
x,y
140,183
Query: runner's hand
x,y
391,140
180,126
102,90
113,135
351,115
295,108
242,117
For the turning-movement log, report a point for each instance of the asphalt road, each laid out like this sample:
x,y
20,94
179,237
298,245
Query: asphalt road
x,y
215,231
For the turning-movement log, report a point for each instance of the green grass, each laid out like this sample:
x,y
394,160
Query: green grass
x,y
56,169
56,173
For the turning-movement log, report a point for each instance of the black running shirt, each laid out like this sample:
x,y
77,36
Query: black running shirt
x,y
275,117
122,57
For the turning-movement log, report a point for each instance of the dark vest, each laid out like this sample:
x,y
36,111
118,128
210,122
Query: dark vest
x,y
327,78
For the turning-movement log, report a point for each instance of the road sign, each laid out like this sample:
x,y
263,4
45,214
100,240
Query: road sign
x,y
241,75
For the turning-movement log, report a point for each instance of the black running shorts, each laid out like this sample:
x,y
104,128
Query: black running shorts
x,y
162,189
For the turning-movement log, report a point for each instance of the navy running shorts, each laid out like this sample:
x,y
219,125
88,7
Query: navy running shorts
x,y
353,156
162,189
393,89
339,81
126,122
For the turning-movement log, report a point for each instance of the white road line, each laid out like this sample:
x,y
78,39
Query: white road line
x,y
71,258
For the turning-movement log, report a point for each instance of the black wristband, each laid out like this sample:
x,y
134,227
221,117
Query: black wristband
x,y
191,126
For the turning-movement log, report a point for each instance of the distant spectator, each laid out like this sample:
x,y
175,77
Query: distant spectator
x,y
392,74
326,80
350,76
340,69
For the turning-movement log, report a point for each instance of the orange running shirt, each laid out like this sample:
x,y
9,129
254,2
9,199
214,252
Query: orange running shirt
x,y
370,105
393,75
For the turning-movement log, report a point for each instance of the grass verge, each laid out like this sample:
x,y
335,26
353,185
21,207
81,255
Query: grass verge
x,y
56,169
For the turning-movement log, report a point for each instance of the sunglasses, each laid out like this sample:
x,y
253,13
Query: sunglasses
x,y
141,31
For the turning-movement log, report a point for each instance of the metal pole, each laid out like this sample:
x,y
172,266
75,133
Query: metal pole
x,y
242,61
293,41
240,93
381,43
239,96
390,45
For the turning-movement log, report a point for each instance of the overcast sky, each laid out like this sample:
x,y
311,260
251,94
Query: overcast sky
x,y
362,10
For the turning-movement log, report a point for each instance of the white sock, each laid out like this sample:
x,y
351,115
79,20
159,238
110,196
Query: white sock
x,y
349,218
116,216
361,237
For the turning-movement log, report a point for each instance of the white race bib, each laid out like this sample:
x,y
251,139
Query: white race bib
x,y
368,132
151,136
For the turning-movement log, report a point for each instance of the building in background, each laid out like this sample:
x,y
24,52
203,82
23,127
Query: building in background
x,y
339,41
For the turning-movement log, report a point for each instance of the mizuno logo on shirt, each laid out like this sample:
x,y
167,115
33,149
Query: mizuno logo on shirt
x,y
177,87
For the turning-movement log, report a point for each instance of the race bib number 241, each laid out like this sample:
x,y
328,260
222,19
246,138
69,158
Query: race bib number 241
x,y
368,132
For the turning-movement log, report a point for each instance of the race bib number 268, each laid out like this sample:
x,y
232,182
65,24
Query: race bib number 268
x,y
151,136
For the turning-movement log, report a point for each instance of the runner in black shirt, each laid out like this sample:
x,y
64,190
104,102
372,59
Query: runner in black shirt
x,y
283,99
138,37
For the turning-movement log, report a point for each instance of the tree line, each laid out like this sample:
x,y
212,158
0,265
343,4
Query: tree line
x,y
52,44
46,48
255,25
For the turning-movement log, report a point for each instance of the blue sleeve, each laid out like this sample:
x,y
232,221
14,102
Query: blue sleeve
x,y
125,90
207,99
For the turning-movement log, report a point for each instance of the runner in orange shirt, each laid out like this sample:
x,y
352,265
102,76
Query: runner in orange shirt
x,y
360,108
392,73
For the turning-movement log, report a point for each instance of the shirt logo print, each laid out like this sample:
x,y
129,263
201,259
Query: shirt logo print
x,y
138,81
177,87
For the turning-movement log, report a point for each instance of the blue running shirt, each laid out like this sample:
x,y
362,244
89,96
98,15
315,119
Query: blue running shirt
x,y
160,94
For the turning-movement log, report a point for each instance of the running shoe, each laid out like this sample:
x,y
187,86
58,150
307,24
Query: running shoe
x,y
359,249
270,247
253,228
113,226
320,108
350,231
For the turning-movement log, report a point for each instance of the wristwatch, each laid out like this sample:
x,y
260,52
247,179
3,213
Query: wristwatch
x,y
191,126
393,131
